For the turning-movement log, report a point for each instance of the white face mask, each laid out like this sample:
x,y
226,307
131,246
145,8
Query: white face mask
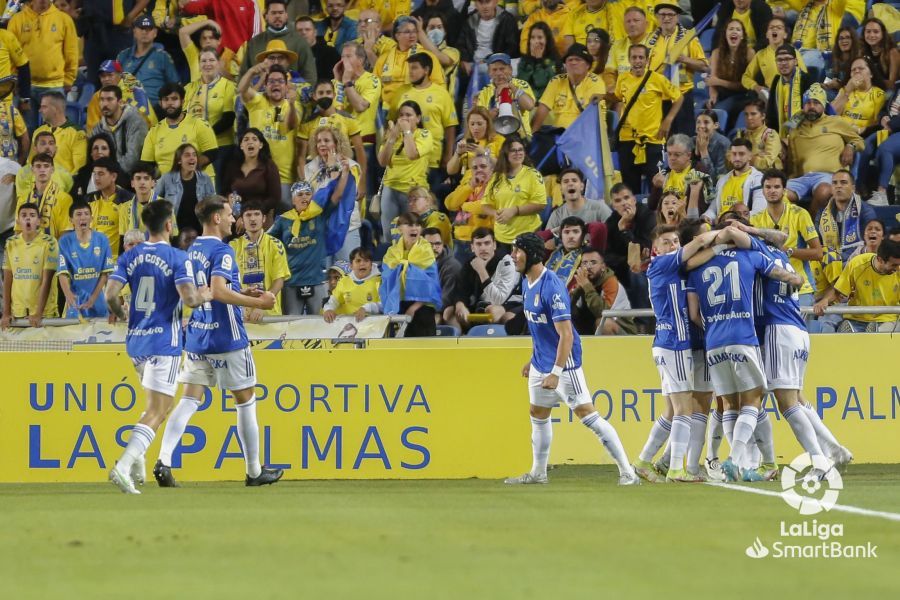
x,y
436,36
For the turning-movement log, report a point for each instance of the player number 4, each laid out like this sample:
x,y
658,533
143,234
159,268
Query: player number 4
x,y
143,298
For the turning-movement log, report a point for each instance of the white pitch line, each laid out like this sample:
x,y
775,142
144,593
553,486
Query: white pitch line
x,y
878,514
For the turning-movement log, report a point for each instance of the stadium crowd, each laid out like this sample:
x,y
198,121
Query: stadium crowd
x,y
383,156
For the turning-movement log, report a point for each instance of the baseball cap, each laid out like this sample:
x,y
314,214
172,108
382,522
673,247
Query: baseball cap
x,y
786,49
499,57
341,266
145,23
110,66
579,51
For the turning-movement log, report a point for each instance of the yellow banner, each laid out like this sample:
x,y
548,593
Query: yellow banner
x,y
418,409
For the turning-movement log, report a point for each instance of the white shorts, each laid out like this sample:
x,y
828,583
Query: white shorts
x,y
736,368
785,353
702,378
158,373
676,370
572,389
233,370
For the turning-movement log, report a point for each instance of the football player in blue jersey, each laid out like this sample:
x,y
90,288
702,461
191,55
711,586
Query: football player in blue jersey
x,y
554,372
161,279
721,295
217,349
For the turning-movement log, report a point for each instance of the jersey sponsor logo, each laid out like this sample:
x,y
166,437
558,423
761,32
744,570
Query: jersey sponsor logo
x,y
660,361
539,319
721,357
227,263
558,303
801,355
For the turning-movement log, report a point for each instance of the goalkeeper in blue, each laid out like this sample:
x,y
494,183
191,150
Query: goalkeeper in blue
x,y
554,372
161,278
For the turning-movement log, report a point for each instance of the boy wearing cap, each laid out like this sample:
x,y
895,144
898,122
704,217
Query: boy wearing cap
x,y
568,95
147,60
786,91
132,94
523,99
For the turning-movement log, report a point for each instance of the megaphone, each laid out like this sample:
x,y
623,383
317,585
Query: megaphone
x,y
507,122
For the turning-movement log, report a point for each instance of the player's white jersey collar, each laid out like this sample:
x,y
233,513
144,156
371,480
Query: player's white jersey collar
x,y
531,285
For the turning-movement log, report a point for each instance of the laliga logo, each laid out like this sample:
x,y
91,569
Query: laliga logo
x,y
808,484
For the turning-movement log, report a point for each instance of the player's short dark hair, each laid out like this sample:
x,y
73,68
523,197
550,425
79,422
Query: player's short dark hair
x,y
423,60
574,221
108,163
144,167
483,232
774,174
155,215
76,205
363,253
730,215
571,171
171,87
663,229
847,173
29,206
43,157
888,249
688,230
743,142
208,207
112,89
431,231
618,188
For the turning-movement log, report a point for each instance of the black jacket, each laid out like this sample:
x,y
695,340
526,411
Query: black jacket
x,y
806,80
760,15
506,36
640,232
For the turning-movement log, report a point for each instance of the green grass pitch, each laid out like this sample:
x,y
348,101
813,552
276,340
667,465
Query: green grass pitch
x,y
579,537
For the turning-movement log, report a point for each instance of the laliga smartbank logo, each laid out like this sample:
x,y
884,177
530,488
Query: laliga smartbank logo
x,y
811,486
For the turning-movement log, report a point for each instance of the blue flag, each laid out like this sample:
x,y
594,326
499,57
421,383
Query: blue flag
x,y
580,142
339,217
475,85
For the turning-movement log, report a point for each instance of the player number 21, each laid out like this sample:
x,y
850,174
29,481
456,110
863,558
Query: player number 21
x,y
718,276
143,298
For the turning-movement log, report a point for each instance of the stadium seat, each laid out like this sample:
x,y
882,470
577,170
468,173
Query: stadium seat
x,y
741,123
707,39
447,331
488,331
889,214
76,111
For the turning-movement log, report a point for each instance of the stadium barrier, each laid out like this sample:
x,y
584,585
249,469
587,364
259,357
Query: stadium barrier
x,y
402,409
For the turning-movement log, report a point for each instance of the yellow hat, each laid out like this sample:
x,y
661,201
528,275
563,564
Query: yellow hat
x,y
276,47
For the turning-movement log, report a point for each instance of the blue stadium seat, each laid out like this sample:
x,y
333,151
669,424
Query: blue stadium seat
x,y
488,331
707,39
76,111
447,331
741,122
889,214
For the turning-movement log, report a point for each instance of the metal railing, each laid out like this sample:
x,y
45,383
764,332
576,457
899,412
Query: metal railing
x,y
805,310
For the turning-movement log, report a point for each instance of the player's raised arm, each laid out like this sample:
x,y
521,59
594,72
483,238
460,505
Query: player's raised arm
x,y
788,277
700,242
772,236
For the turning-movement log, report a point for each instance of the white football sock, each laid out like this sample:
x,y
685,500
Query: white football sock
x,y
175,427
714,435
681,436
610,440
763,435
695,447
826,439
803,429
248,433
141,438
541,436
729,419
743,432
659,433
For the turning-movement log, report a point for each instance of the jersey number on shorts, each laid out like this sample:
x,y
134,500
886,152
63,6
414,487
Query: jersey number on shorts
x,y
718,276
143,298
783,288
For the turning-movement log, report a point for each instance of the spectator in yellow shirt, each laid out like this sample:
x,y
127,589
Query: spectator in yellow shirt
x,y
29,265
479,138
466,200
356,293
588,16
392,66
859,101
636,27
555,14
49,39
433,39
105,202
567,95
522,96
388,10
44,143
261,259
52,202
515,195
71,143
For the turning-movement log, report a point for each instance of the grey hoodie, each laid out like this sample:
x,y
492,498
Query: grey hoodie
x,y
129,134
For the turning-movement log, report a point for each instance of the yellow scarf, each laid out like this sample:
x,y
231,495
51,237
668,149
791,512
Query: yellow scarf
x,y
791,91
310,212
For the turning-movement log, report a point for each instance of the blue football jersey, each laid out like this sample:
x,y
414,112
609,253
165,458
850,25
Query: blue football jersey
x,y
725,286
215,327
546,302
84,265
152,270
778,303
669,301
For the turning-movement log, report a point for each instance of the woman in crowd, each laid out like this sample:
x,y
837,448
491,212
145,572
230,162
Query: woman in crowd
x,y
515,195
672,210
404,155
184,186
211,98
860,102
391,65
727,66
846,48
879,47
541,63
710,146
253,175
332,149
479,138
409,279
873,234
100,145
598,47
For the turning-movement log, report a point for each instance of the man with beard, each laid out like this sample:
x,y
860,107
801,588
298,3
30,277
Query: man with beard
x,y
596,290
438,110
177,128
565,260
448,267
571,180
486,284
276,16
743,184
326,114
338,27
819,146
124,123
273,112
843,220
786,91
